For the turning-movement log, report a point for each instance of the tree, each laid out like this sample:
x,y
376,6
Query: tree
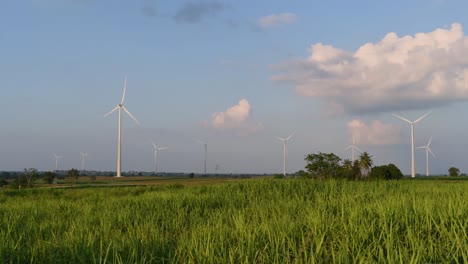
x,y
49,176
29,175
323,165
73,173
365,163
302,174
395,172
454,171
386,172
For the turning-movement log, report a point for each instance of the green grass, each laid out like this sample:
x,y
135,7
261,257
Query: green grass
x,y
256,221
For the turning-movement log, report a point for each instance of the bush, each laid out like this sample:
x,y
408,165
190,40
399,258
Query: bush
x,y
386,172
278,176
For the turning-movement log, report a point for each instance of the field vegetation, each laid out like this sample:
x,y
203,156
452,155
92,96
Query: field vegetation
x,y
247,221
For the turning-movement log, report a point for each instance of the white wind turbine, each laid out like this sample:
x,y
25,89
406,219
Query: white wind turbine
x,y
352,147
428,150
285,140
57,157
120,107
156,149
412,137
83,157
206,150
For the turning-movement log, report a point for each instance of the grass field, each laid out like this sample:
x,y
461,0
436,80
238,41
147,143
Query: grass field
x,y
248,221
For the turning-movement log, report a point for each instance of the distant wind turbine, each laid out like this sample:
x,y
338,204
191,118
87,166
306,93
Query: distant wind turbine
x,y
119,140
428,150
206,150
83,157
352,147
57,157
285,140
412,137
156,149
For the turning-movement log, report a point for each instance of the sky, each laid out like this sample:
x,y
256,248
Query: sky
x,y
233,74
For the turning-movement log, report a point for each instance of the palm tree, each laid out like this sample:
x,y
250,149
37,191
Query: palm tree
x,y
365,163
347,165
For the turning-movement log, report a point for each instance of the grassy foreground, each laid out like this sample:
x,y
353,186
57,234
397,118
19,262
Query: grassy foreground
x,y
264,221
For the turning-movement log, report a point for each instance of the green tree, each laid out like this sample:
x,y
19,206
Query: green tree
x,y
323,165
302,174
454,171
28,176
49,176
365,163
347,165
73,173
386,172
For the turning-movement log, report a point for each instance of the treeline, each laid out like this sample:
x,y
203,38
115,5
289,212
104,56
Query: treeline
x,y
330,166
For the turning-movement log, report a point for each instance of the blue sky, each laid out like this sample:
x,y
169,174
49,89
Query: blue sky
x,y
235,74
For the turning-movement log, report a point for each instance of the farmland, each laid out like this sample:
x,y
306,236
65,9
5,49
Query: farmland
x,y
238,221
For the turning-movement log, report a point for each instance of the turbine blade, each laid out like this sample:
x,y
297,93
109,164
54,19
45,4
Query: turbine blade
x,y
291,135
350,146
124,91
422,147
402,118
128,113
282,139
357,148
432,153
154,144
421,118
112,111
430,140
162,148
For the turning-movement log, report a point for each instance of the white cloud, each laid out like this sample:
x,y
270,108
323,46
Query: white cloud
x,y
235,118
397,73
275,20
376,134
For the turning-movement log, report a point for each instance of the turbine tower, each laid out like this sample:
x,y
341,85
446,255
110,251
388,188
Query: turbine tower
x,y
412,137
206,150
428,150
83,157
119,139
156,149
57,157
352,147
285,140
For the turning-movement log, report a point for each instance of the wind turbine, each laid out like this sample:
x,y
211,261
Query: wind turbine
x,y
428,149
57,157
156,149
412,137
352,147
119,139
285,140
83,156
206,149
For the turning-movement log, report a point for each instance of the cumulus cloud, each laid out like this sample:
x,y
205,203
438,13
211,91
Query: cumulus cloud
x,y
396,73
235,117
275,20
376,134
194,12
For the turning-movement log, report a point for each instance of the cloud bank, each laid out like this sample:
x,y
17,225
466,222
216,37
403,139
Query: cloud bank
x,y
194,12
276,20
235,118
396,73
375,134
